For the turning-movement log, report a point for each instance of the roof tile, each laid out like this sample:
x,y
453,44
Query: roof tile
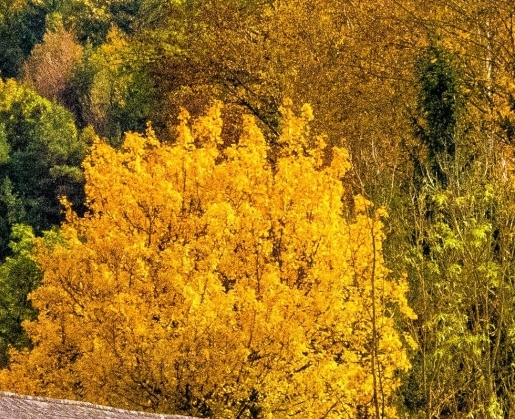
x,y
16,406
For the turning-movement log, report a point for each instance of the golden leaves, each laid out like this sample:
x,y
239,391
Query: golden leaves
x,y
213,275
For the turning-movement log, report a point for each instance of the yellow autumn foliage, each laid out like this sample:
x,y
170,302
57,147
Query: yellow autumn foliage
x,y
218,282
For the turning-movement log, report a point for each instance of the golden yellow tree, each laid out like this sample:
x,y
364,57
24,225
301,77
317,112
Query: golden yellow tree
x,y
220,282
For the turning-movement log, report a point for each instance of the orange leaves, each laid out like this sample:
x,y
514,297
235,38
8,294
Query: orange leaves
x,y
216,281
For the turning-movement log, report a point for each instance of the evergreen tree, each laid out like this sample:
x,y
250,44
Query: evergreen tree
x,y
437,112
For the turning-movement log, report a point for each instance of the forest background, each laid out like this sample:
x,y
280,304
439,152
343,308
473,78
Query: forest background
x,y
407,143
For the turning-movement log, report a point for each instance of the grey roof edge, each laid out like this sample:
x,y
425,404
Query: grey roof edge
x,y
132,413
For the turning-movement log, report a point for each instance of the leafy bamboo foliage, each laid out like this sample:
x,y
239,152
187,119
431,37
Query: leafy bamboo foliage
x,y
462,283
459,260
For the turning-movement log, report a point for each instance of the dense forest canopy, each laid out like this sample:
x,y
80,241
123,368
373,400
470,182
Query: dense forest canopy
x,y
254,209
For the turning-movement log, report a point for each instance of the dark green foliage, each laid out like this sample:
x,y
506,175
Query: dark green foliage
x,y
438,109
42,156
133,112
19,32
91,21
19,275
124,13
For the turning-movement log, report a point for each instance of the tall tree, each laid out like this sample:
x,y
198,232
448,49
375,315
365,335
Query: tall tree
x,y
438,112
218,282
41,157
90,21
22,25
52,67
